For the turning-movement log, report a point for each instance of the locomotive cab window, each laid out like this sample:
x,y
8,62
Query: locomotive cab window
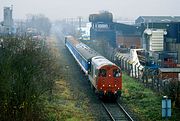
x,y
102,73
116,73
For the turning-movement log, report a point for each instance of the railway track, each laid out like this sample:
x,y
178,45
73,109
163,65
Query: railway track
x,y
116,112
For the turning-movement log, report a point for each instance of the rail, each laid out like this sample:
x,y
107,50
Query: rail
x,y
116,112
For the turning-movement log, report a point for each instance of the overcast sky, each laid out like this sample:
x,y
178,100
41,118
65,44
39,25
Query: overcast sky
x,y
57,9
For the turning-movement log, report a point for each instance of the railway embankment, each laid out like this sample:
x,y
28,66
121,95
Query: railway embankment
x,y
68,102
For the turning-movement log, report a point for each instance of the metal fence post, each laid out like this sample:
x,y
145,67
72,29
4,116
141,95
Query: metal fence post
x,y
122,63
146,76
126,65
129,67
136,70
138,73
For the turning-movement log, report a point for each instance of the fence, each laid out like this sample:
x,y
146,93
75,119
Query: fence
x,y
149,76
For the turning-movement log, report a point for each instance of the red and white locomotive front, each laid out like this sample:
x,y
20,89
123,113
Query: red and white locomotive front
x,y
108,77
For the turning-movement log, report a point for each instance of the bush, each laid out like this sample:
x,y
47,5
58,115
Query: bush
x,y
27,71
172,90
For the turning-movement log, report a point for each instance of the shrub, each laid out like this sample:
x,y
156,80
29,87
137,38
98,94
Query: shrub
x,y
27,71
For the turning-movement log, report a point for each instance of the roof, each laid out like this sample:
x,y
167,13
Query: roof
x,y
170,70
101,61
83,49
86,51
158,19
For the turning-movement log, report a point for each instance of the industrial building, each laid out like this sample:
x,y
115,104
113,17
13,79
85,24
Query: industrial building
x,y
103,27
118,35
161,34
7,25
156,19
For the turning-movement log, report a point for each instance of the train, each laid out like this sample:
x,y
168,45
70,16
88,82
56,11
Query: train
x,y
105,77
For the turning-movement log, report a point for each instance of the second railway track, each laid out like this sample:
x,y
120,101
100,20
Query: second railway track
x,y
116,112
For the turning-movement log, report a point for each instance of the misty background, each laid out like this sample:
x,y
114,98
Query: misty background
x,y
58,9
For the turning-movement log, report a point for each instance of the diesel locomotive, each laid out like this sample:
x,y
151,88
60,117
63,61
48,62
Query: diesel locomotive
x,y
105,77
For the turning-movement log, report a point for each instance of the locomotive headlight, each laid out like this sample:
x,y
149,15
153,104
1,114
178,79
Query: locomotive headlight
x,y
103,85
109,85
118,87
115,85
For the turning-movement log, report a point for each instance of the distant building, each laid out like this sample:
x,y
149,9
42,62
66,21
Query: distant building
x,y
8,20
102,27
85,32
7,26
156,19
168,23
160,34
127,36
153,39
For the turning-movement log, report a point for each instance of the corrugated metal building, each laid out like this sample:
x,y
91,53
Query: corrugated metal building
x,y
170,24
156,19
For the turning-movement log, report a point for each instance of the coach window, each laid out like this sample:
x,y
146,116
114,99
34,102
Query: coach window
x,y
102,72
116,73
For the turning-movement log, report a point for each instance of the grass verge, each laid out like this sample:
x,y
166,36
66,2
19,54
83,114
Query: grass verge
x,y
143,101
64,105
